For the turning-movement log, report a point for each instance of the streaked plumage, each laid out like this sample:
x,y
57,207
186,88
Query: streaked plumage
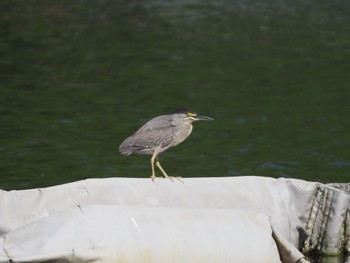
x,y
161,133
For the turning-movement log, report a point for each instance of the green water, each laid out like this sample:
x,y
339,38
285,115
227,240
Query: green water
x,y
77,77
329,260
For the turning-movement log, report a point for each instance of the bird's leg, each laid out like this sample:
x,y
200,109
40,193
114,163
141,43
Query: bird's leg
x,y
153,176
165,174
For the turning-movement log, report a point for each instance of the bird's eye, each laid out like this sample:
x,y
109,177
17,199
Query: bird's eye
x,y
190,114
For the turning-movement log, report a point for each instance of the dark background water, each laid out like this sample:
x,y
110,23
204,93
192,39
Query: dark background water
x,y
77,77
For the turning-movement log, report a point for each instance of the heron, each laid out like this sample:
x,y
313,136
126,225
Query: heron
x,y
161,133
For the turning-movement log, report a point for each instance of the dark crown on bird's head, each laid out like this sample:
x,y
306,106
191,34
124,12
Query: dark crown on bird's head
x,y
186,111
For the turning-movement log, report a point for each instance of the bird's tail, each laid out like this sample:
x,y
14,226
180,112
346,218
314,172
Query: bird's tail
x,y
124,151
127,147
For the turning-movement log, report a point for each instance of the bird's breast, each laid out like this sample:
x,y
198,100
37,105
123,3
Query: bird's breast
x,y
181,134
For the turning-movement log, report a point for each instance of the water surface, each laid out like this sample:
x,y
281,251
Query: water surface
x,y
78,77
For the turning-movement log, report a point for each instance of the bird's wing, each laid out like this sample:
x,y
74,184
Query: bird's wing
x,y
157,132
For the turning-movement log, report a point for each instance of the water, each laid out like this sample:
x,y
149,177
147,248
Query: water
x,y
79,77
330,260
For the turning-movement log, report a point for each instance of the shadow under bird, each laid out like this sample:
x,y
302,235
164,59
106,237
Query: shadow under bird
x,y
161,133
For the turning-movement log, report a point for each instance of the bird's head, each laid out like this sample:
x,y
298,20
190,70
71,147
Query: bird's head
x,y
190,115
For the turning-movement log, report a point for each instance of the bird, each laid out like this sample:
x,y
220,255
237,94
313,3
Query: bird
x,y
161,133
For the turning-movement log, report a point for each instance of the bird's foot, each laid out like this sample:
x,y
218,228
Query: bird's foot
x,y
175,177
172,178
153,177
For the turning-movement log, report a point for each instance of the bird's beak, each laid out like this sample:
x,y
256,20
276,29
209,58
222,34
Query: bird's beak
x,y
199,117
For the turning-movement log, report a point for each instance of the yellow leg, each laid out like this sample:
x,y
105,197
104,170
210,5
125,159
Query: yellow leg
x,y
153,176
166,175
